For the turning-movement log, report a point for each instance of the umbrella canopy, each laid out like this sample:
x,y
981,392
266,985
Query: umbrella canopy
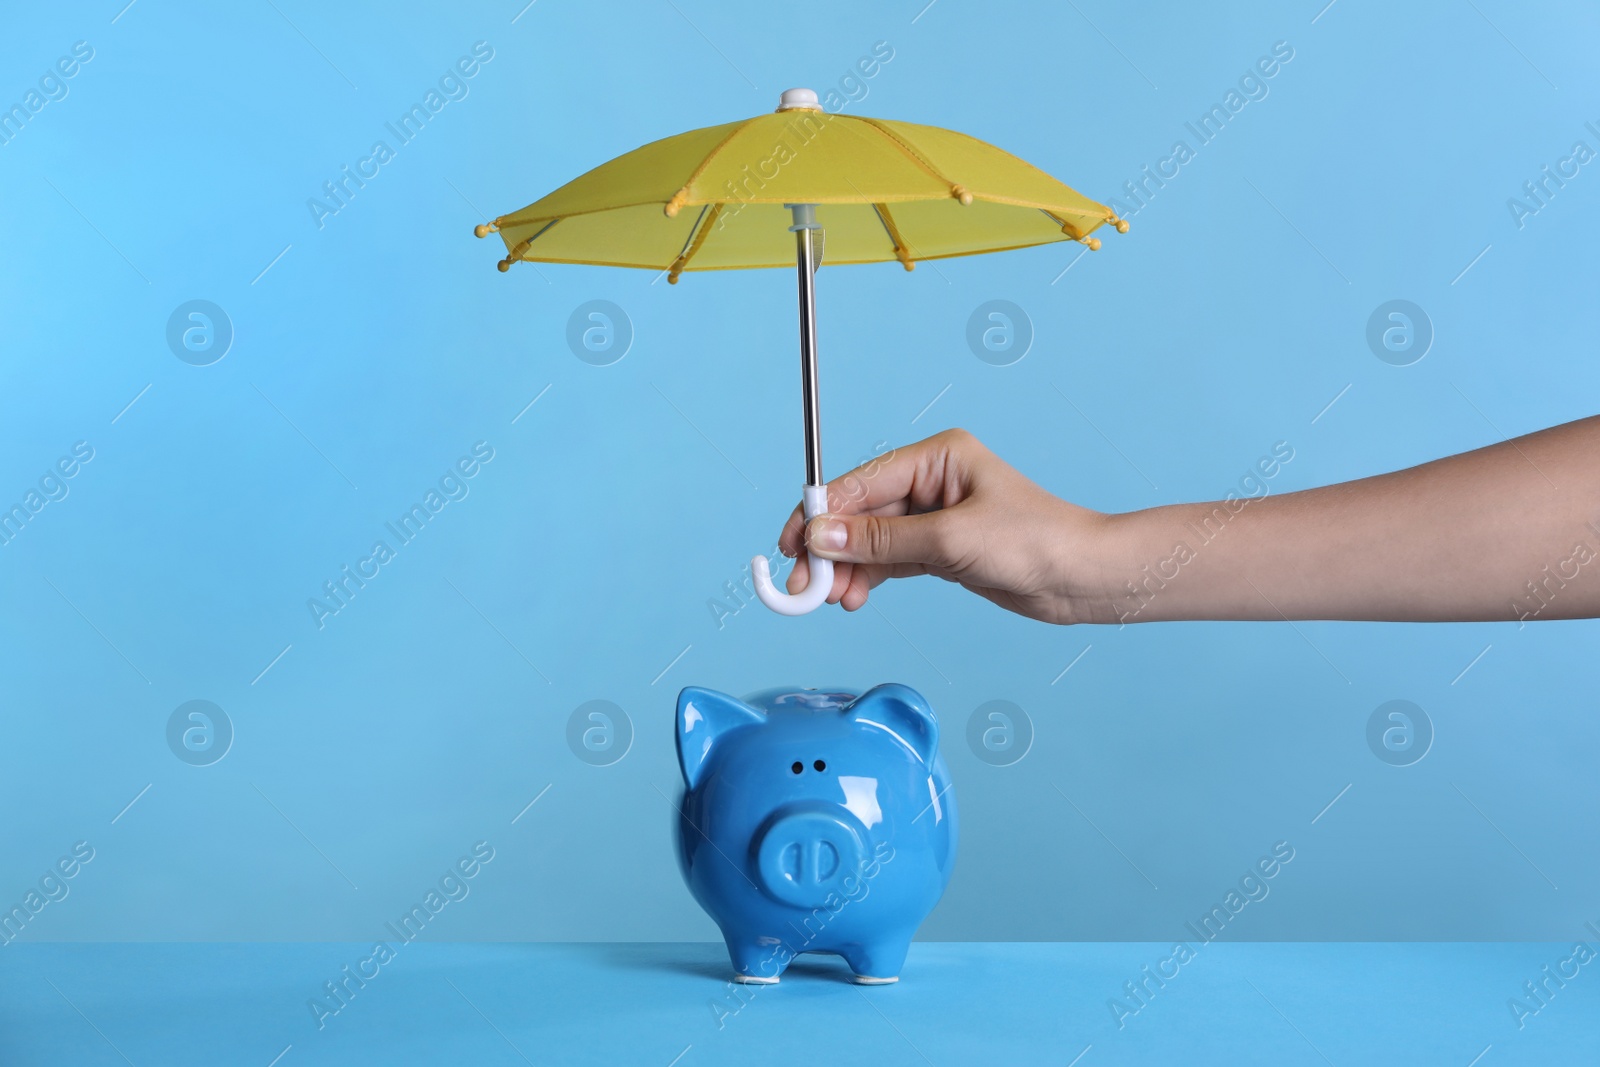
x,y
714,198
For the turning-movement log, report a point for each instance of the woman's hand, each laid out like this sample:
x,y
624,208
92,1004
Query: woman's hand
x,y
949,507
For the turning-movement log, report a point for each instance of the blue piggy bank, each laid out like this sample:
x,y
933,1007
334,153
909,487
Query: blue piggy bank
x,y
814,821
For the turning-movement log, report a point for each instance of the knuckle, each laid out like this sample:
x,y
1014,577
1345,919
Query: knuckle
x,y
959,435
965,443
877,538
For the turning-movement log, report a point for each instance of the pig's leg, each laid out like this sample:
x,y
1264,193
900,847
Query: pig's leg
x,y
758,964
877,963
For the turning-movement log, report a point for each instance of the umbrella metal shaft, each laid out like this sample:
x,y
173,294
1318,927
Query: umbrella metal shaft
x,y
804,250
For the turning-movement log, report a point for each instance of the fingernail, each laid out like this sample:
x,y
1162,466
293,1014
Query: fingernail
x,y
827,535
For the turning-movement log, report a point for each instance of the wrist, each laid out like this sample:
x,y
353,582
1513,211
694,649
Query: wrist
x,y
1113,571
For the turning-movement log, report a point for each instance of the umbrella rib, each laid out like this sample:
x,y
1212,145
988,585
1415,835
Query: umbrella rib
x,y
542,229
708,215
1102,216
901,252
515,255
1069,231
681,197
1081,236
689,239
911,153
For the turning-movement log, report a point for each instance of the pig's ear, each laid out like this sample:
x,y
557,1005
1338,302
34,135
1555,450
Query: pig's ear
x,y
900,710
704,716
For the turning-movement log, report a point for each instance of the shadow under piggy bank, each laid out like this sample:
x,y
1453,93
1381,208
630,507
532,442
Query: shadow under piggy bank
x,y
814,821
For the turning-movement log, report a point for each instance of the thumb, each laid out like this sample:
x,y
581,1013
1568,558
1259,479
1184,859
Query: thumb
x,y
922,539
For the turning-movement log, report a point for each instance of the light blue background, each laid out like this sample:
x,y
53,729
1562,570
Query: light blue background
x,y
427,714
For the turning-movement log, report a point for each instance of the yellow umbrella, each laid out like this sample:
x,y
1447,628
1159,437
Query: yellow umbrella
x,y
729,196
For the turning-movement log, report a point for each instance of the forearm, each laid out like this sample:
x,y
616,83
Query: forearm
x,y
1501,533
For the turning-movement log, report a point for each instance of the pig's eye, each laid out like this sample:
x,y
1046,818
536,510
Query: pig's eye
x,y
798,767
819,765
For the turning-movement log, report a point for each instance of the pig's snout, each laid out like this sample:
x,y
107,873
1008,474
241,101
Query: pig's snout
x,y
808,851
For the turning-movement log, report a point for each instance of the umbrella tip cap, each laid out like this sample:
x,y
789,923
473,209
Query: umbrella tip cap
x,y
798,100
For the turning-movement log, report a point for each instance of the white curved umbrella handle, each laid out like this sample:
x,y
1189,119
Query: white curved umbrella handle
x,y
815,503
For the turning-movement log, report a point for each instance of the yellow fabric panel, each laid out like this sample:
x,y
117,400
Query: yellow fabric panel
x,y
815,158
650,174
637,236
990,172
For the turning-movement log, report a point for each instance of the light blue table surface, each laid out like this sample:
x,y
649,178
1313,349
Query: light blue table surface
x,y
669,1004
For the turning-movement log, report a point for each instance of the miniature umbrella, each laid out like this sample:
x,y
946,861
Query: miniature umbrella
x,y
729,196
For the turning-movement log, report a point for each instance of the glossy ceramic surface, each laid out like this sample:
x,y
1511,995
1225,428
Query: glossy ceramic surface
x,y
814,821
